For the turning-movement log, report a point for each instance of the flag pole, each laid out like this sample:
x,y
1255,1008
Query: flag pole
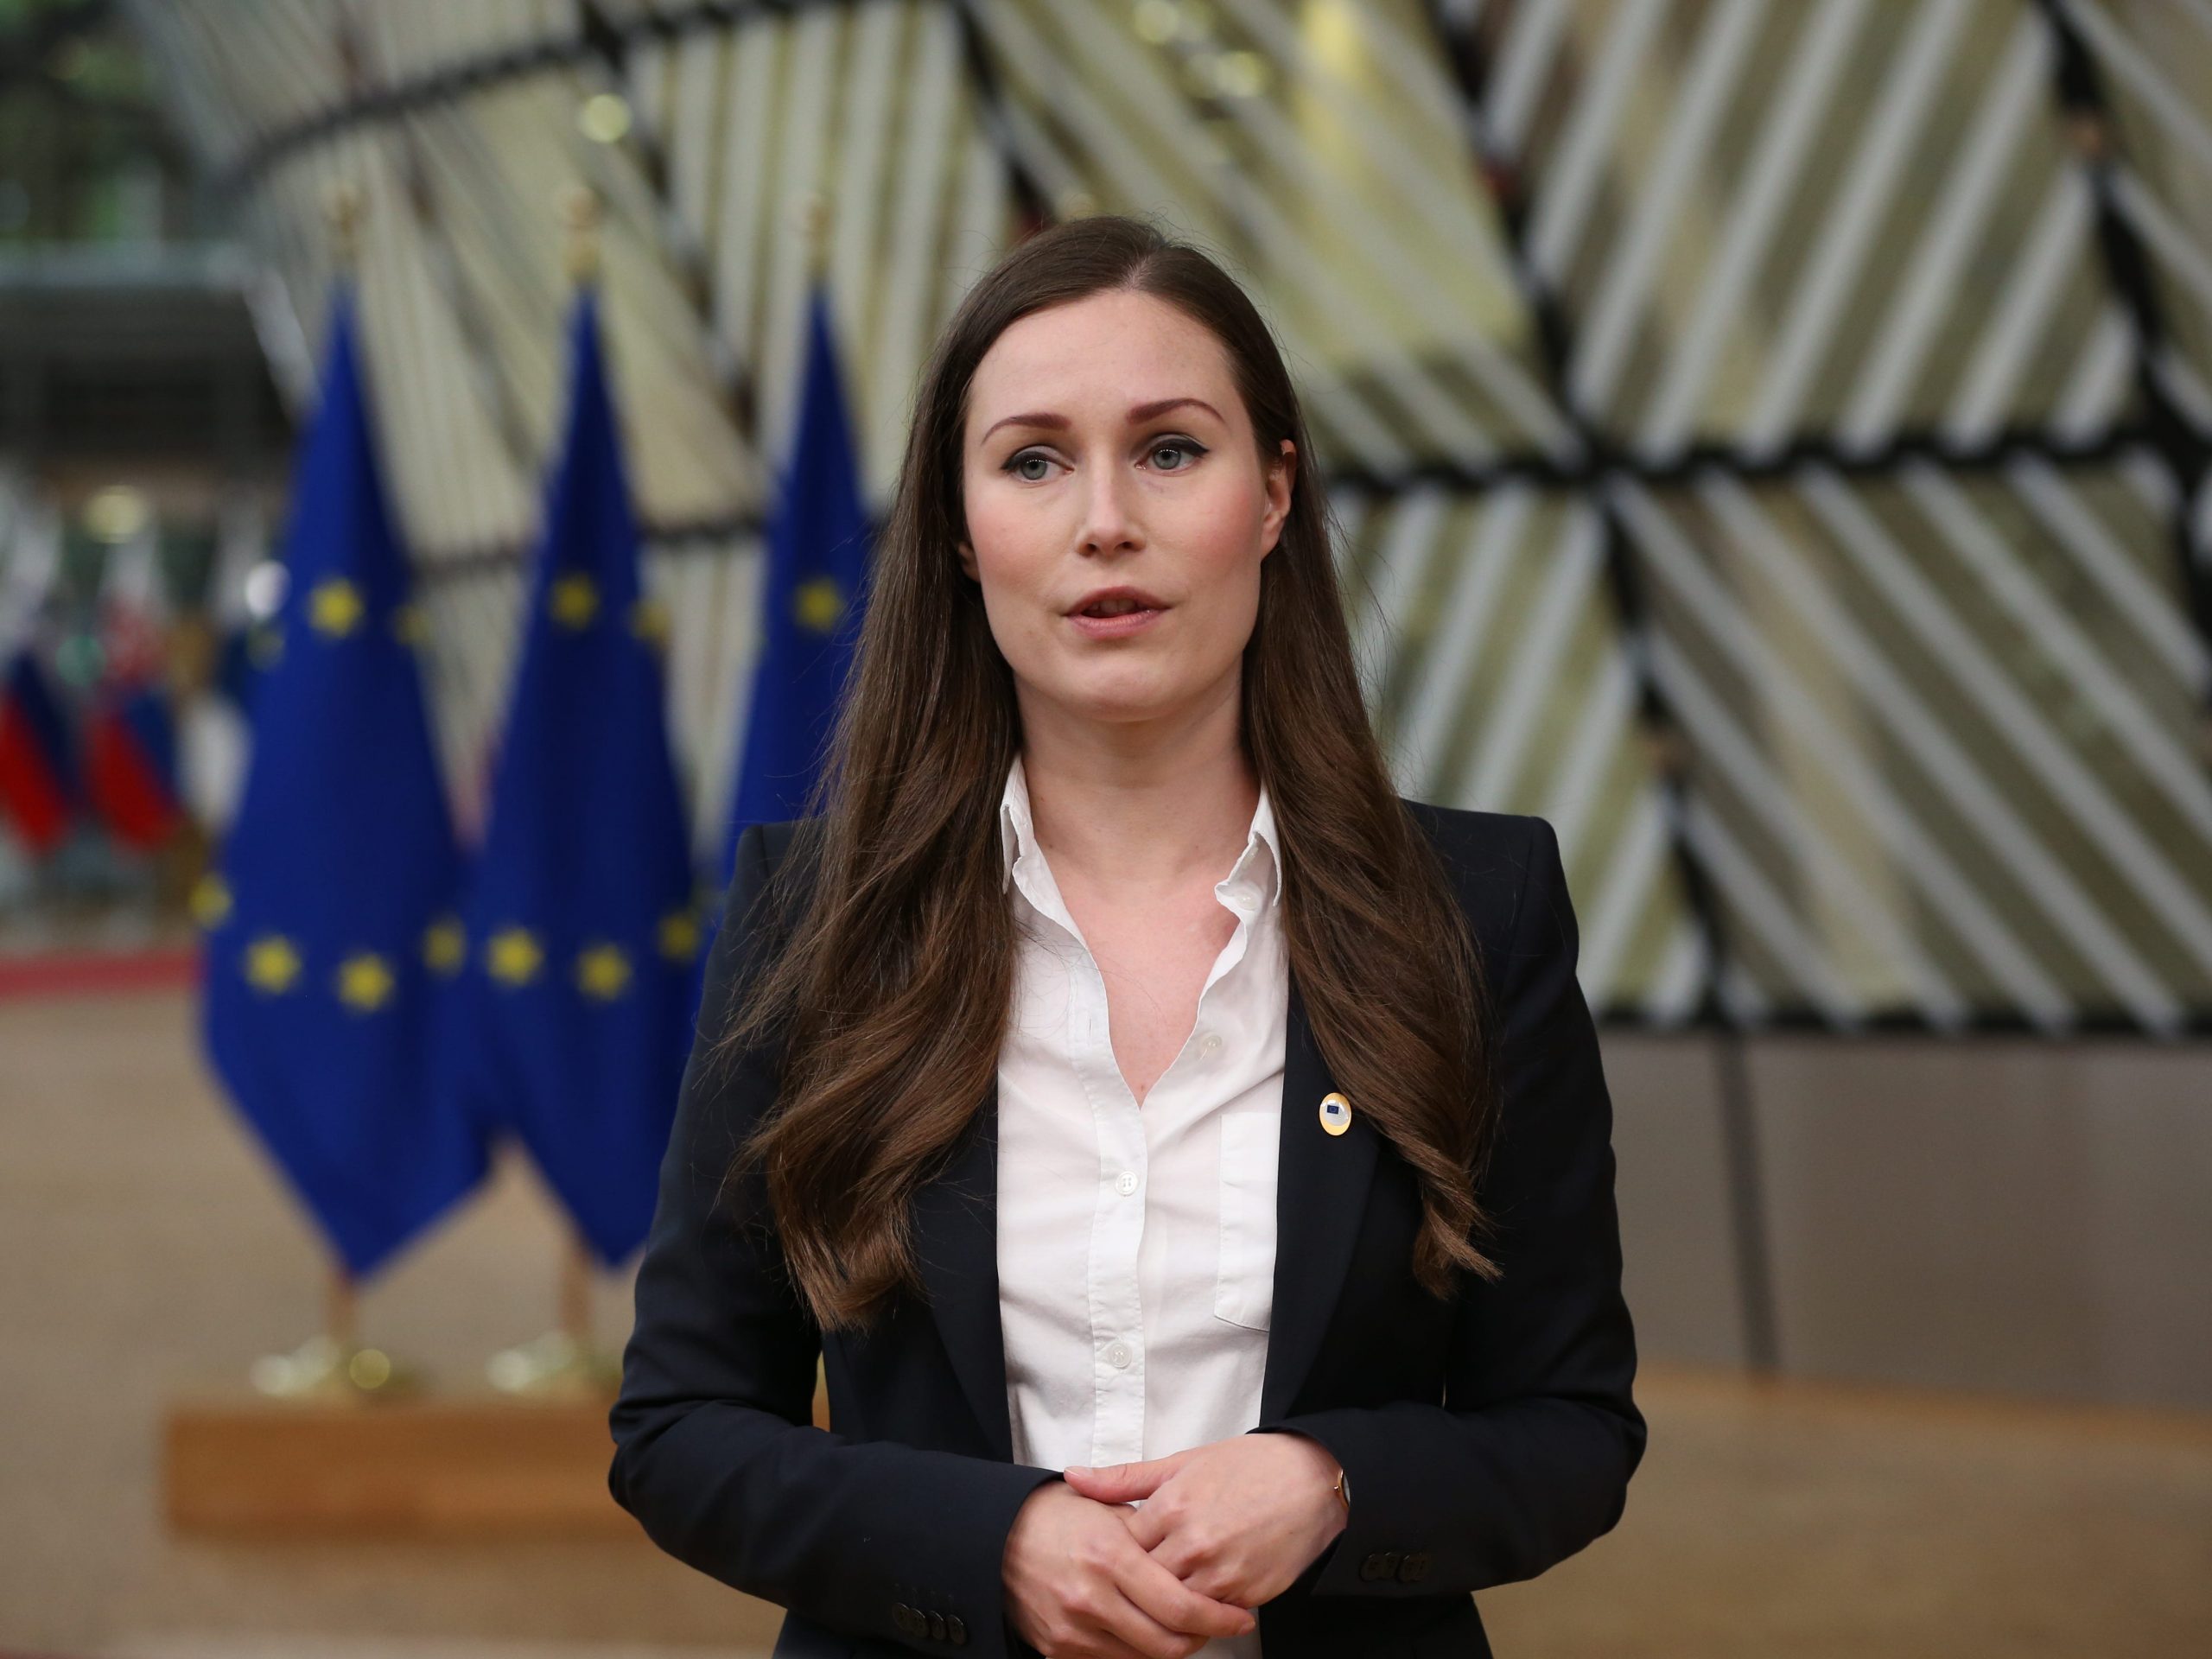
x,y
813,216
343,1307
575,1293
341,1303
334,1364
565,1363
580,208
343,206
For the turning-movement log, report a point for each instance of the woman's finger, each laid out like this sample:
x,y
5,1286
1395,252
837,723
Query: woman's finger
x,y
1146,1525
1166,1601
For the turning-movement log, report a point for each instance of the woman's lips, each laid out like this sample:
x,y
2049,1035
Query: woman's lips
x,y
1115,627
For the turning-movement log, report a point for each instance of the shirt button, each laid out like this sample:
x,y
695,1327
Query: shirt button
x,y
1117,1355
1212,1044
1126,1182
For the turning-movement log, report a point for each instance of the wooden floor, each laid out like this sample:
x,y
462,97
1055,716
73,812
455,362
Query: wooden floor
x,y
149,1248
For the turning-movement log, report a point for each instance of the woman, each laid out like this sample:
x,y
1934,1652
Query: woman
x,y
1190,1160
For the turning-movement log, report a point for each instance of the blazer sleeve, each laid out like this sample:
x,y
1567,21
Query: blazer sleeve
x,y
716,1453
1528,1458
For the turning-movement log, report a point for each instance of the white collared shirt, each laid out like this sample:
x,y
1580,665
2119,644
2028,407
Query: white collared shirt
x,y
1137,1246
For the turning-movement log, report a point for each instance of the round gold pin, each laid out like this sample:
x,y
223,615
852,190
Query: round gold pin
x,y
1336,1112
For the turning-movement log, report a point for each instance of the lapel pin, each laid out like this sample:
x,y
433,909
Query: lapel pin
x,y
1336,1112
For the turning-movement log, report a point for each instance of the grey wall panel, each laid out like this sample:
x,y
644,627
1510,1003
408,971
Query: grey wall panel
x,y
1992,1215
1678,1263
2000,1216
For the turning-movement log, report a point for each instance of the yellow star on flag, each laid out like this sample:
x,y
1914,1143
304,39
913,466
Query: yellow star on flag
x,y
817,604
513,957
574,601
334,607
679,936
271,964
364,983
649,621
603,971
444,946
210,899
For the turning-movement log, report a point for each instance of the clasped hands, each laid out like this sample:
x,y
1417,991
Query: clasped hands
x,y
1220,1529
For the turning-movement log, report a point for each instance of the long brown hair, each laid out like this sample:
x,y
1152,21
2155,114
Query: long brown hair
x,y
892,979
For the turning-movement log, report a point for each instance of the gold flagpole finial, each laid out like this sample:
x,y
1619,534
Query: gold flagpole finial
x,y
579,211
343,204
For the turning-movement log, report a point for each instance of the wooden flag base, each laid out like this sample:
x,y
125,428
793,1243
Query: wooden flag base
x,y
435,1466
339,1440
479,1465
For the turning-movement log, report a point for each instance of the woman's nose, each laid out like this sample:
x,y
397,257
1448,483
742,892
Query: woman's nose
x,y
1109,515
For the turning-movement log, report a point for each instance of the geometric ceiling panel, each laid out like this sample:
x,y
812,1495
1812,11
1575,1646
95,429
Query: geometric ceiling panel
x,y
1770,440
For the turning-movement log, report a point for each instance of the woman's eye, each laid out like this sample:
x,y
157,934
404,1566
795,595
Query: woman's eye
x,y
1017,463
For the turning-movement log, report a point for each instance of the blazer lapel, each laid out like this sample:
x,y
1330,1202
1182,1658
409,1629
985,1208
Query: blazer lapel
x,y
956,1240
1321,1184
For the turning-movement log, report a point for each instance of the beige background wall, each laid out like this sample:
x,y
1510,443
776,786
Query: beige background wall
x,y
1986,1214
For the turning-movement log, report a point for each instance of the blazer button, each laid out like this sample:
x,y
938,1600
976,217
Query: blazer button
x,y
1414,1568
1381,1565
936,1626
955,1628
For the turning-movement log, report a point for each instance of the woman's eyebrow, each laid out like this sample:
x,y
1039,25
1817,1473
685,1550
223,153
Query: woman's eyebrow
x,y
1141,412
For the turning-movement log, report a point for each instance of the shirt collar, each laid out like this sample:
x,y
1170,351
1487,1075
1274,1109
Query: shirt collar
x,y
1018,833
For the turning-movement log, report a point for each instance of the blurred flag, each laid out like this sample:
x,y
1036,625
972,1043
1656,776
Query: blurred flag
x,y
581,926
213,726
131,764
817,556
40,790
130,770
332,932
38,775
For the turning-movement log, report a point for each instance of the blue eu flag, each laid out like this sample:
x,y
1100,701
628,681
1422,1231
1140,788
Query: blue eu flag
x,y
818,557
331,931
582,926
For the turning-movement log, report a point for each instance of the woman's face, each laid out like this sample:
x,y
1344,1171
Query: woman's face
x,y
1106,446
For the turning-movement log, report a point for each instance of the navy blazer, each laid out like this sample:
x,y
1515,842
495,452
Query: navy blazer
x,y
1483,1439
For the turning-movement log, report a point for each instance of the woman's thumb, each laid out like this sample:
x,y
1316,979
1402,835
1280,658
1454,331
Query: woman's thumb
x,y
1121,1480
